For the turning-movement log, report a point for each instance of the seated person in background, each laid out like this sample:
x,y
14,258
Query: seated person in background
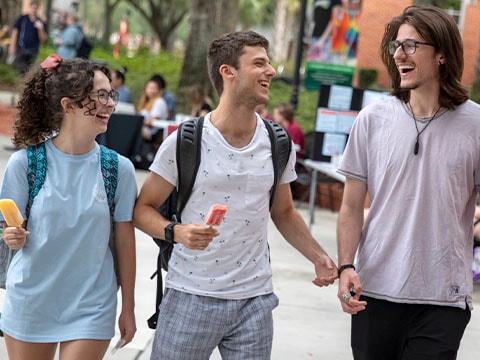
x,y
201,103
283,113
153,107
118,83
262,110
167,96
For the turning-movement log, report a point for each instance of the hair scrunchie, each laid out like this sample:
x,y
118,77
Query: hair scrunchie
x,y
51,63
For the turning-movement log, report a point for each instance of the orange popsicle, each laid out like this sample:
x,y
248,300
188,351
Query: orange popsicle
x,y
10,212
215,215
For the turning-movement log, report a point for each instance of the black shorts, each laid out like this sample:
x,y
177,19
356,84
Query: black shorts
x,y
394,331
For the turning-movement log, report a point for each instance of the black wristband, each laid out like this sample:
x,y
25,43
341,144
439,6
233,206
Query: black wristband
x,y
343,267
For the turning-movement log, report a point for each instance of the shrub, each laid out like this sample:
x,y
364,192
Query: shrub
x,y
367,78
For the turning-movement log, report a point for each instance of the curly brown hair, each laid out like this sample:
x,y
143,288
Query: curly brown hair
x,y
227,49
438,28
40,113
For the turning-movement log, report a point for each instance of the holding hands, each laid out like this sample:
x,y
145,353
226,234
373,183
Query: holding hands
x,y
326,271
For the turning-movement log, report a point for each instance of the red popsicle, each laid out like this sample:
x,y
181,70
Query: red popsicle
x,y
215,215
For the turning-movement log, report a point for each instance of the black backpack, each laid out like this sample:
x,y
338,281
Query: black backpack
x,y
85,48
189,139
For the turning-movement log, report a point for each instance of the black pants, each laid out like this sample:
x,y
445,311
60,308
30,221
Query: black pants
x,y
24,60
393,331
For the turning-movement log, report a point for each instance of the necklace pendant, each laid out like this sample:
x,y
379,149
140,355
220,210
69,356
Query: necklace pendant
x,y
429,120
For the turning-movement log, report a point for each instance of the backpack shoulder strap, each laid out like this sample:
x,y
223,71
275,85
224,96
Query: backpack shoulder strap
x,y
36,172
189,141
109,167
281,148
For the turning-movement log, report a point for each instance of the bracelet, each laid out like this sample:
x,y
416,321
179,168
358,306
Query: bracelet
x,y
343,267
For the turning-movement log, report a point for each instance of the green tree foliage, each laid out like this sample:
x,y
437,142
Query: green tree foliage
x,y
163,16
256,12
109,8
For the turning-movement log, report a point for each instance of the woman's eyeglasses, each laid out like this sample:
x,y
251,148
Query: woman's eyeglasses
x,y
409,46
103,96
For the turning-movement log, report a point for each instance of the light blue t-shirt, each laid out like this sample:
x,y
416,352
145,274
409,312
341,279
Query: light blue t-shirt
x,y
61,285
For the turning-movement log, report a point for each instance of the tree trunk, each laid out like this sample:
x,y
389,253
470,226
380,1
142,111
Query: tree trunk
x,y
48,12
208,19
109,7
11,9
281,31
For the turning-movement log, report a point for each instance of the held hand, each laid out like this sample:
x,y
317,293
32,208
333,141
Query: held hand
x,y
195,236
326,271
15,237
349,290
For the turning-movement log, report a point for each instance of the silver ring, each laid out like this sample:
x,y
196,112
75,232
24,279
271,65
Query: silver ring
x,y
346,297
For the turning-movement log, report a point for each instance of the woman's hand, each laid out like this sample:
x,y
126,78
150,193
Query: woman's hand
x,y
15,237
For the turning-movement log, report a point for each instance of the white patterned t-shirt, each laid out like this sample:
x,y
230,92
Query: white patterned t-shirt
x,y
236,264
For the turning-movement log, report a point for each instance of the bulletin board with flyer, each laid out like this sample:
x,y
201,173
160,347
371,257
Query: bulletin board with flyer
x,y
338,107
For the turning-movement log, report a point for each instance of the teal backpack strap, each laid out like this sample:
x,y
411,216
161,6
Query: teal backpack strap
x,y
36,172
109,167
189,143
281,149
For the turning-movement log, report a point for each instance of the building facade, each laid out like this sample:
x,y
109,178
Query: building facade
x,y
375,14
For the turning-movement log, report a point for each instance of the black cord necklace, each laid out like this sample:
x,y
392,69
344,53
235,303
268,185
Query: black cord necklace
x,y
417,143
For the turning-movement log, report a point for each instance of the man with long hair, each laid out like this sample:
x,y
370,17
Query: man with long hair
x,y
405,274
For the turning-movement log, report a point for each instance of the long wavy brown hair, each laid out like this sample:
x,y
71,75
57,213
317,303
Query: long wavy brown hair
x,y
40,113
438,28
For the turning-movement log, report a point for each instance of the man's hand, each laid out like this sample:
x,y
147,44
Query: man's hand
x,y
194,236
326,271
349,290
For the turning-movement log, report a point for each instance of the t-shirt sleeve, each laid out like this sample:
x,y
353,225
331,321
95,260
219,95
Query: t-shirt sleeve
x,y
18,23
159,109
126,192
354,160
165,162
15,184
290,174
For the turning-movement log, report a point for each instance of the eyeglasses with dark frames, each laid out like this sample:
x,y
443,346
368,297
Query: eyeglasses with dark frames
x,y
103,96
409,46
